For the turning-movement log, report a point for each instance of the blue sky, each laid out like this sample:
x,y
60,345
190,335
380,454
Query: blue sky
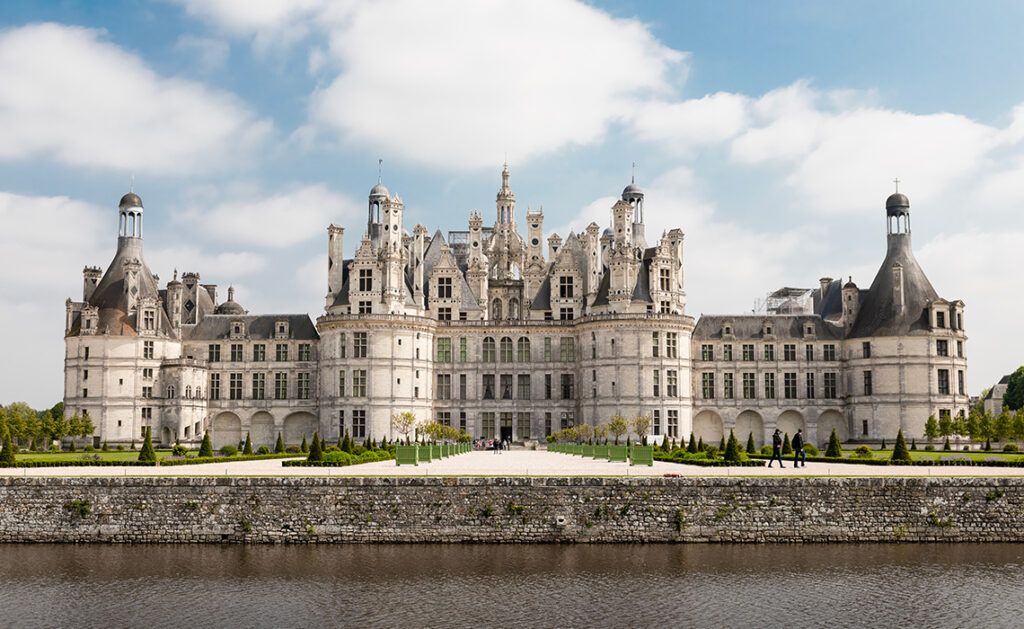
x,y
770,132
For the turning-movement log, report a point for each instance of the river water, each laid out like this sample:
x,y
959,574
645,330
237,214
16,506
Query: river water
x,y
449,586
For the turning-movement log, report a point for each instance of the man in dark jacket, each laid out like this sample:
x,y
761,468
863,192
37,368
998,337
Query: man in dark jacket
x,y
798,449
776,448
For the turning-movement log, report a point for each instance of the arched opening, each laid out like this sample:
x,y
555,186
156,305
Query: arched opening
x,y
828,421
749,422
506,349
166,437
297,426
261,428
789,422
225,430
496,309
513,308
707,425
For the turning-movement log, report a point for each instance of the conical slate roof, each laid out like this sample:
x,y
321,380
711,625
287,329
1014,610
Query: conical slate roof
x,y
876,316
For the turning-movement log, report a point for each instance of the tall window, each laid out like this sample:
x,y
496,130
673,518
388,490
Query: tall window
x,y
214,386
444,418
359,424
359,345
547,349
749,388
523,425
259,382
941,348
506,386
342,346
487,425
341,383
523,386
565,287
769,352
280,386
960,349
707,352
657,383
670,344
664,280
259,352
671,383
789,351
708,385
444,386
865,349
567,348
727,351
463,349
444,288
147,350
769,386
568,386
867,383
828,352
462,386
727,386
673,423
282,351
547,386
235,386
489,353
148,320
506,349
831,391
810,386
488,384
748,351
960,381
523,349
655,344
365,307
365,279
304,351
236,352
302,386
809,352
213,353
789,385
656,421
940,319
444,350
944,381
358,383
568,419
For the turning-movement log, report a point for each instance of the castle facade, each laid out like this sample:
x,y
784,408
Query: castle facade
x,y
501,334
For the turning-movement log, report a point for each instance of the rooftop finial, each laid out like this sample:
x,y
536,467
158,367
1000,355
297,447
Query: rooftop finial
x,y
131,183
632,179
380,169
897,182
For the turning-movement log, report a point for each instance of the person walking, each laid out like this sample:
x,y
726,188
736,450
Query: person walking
x,y
798,449
776,448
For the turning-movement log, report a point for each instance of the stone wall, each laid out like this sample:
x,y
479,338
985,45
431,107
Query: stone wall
x,y
317,509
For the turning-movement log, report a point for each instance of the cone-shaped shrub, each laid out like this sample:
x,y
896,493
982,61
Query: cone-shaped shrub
x,y
323,444
732,449
988,444
35,447
71,448
305,446
279,446
206,449
700,444
692,446
721,444
316,454
346,443
7,453
913,444
883,442
900,452
834,450
946,447
787,447
751,448
247,448
106,448
147,454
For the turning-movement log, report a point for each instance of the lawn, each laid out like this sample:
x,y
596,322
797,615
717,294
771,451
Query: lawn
x,y
917,455
113,455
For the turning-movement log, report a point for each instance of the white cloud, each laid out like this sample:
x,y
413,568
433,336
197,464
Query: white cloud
x,y
278,220
211,54
216,268
271,22
680,126
74,98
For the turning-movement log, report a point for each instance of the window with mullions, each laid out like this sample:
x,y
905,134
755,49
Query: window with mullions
x,y
506,349
489,350
358,383
280,386
444,350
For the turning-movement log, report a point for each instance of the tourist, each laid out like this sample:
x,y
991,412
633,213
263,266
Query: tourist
x,y
776,448
798,449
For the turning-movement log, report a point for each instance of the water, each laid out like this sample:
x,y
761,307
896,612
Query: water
x,y
512,586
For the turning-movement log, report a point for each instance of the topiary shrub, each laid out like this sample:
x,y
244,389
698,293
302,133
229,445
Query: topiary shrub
x,y
900,454
751,446
357,450
883,443
120,447
147,454
766,449
90,449
106,448
833,450
988,444
305,446
7,457
913,444
340,456
692,446
263,450
946,447
279,446
206,449
367,457
229,450
863,452
71,447
179,450
247,448
1010,447
810,449
787,447
316,454
929,448
293,450
732,449
711,452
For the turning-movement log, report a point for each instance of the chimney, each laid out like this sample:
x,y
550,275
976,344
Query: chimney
x,y
90,279
824,283
897,289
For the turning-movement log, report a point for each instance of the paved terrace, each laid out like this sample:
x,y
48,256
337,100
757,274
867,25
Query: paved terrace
x,y
510,463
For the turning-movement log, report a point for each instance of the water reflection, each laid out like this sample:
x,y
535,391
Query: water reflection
x,y
504,586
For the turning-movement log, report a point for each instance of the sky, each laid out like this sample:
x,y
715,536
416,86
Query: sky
x,y
769,132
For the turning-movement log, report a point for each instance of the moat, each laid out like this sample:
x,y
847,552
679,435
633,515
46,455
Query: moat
x,y
654,585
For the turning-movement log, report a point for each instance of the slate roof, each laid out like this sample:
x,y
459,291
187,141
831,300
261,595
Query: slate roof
x,y
876,316
748,327
258,327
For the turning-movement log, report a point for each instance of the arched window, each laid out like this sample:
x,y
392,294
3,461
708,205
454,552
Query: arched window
x,y
170,391
188,392
524,350
513,308
489,356
496,309
506,350
199,392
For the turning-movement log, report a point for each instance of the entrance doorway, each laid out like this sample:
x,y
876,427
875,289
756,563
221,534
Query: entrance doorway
x,y
506,426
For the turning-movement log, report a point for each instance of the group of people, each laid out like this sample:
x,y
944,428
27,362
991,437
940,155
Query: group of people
x,y
799,456
494,444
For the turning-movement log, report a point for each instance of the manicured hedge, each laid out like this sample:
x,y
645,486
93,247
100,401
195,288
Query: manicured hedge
x,y
80,463
226,459
342,463
919,462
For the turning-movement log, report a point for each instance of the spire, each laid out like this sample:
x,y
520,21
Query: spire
x,y
380,169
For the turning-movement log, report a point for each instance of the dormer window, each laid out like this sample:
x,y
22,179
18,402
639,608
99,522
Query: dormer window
x,y
281,329
365,280
565,287
237,329
444,288
148,319
940,319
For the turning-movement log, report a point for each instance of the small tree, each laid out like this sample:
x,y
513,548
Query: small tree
x,y
787,447
247,448
732,450
641,425
7,458
751,446
316,454
346,443
403,423
883,443
601,432
900,454
988,445
278,447
147,454
931,428
913,444
206,448
721,444
945,446
834,450
692,446
700,444
305,446
618,426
